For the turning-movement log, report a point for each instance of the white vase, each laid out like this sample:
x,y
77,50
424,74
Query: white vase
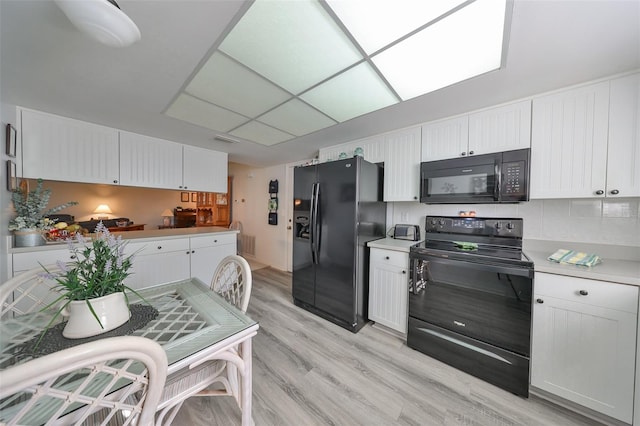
x,y
29,238
112,310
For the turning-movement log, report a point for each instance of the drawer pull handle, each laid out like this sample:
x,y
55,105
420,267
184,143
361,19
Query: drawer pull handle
x,y
404,272
615,192
193,251
386,257
583,292
599,192
539,301
159,247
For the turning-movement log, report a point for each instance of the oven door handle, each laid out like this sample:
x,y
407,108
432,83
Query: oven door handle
x,y
488,267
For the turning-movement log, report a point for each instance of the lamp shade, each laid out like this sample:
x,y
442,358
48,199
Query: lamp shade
x,y
103,208
166,213
102,20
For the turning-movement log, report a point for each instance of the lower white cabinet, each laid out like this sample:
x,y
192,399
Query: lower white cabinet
x,y
389,288
158,262
207,252
584,342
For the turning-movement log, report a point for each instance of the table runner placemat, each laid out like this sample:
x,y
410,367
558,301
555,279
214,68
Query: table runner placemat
x,y
54,341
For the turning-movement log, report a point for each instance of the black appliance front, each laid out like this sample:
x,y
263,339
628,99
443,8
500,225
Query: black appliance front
x,y
339,211
501,177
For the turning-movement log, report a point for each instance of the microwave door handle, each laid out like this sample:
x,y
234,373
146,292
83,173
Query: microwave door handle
x,y
498,182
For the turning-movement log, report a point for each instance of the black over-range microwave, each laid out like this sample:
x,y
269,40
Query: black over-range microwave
x,y
502,177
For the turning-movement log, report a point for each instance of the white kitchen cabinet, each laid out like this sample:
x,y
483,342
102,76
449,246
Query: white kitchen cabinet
x,y
59,148
207,252
569,143
204,170
623,149
389,288
402,165
22,262
150,162
157,262
504,128
445,139
584,342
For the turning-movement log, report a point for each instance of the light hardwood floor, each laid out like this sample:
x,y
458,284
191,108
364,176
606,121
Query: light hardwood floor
x,y
308,371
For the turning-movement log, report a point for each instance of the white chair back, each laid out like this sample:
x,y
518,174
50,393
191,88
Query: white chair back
x,y
117,380
232,280
28,292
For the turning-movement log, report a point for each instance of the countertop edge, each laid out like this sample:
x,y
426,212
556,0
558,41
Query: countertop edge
x,y
392,244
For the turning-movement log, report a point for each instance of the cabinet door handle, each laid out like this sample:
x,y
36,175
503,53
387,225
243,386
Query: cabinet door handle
x,y
539,301
599,192
463,153
187,251
470,152
159,247
584,292
615,192
386,257
193,251
115,181
404,272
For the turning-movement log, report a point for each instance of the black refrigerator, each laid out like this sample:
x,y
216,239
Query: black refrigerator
x,y
338,208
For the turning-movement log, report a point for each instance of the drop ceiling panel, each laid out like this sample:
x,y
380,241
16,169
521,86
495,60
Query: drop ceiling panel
x,y
376,23
297,118
204,114
261,133
295,44
224,82
350,94
442,54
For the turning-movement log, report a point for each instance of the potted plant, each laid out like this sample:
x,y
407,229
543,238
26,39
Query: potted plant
x,y
30,222
93,284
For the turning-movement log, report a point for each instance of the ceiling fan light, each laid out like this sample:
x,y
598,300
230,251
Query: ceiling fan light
x,y
102,20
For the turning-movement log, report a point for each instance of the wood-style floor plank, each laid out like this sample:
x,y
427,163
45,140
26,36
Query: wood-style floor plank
x,y
308,371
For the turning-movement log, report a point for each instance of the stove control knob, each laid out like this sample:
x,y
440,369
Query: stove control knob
x,y
498,225
510,225
441,222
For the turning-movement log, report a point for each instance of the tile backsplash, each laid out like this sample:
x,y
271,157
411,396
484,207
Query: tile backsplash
x,y
603,221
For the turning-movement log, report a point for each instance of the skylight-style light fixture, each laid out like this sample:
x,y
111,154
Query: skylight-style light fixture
x,y
290,68
102,20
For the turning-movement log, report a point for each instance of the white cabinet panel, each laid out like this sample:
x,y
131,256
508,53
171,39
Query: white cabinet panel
x,y
623,159
402,165
207,252
500,129
59,148
445,139
150,162
159,261
569,143
204,170
388,288
582,349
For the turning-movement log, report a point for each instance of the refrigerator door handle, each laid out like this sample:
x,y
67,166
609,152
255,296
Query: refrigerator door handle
x,y
316,224
312,222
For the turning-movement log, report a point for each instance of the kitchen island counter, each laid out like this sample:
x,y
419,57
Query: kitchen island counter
x,y
140,236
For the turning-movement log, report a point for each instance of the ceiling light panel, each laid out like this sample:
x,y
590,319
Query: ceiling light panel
x,y
355,92
295,44
224,82
465,44
261,133
204,114
377,23
297,118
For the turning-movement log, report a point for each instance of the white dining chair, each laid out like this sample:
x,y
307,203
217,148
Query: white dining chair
x,y
233,281
28,292
117,380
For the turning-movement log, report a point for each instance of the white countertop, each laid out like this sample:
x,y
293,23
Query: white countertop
x,y
151,234
392,244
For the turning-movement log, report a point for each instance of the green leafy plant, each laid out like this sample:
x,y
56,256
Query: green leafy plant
x,y
99,269
31,208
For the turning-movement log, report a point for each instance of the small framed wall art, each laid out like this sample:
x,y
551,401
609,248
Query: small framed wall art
x,y
194,197
12,179
11,140
184,197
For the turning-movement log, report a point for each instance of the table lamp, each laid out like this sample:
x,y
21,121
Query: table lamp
x,y
104,210
166,217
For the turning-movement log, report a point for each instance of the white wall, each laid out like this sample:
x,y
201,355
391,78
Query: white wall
x,y
8,115
250,207
602,221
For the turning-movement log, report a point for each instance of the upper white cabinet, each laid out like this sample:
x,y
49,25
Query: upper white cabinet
x,y
402,165
59,148
585,142
499,129
623,149
502,128
203,169
584,342
150,162
445,139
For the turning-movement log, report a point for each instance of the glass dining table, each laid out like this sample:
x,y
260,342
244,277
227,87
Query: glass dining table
x,y
194,325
